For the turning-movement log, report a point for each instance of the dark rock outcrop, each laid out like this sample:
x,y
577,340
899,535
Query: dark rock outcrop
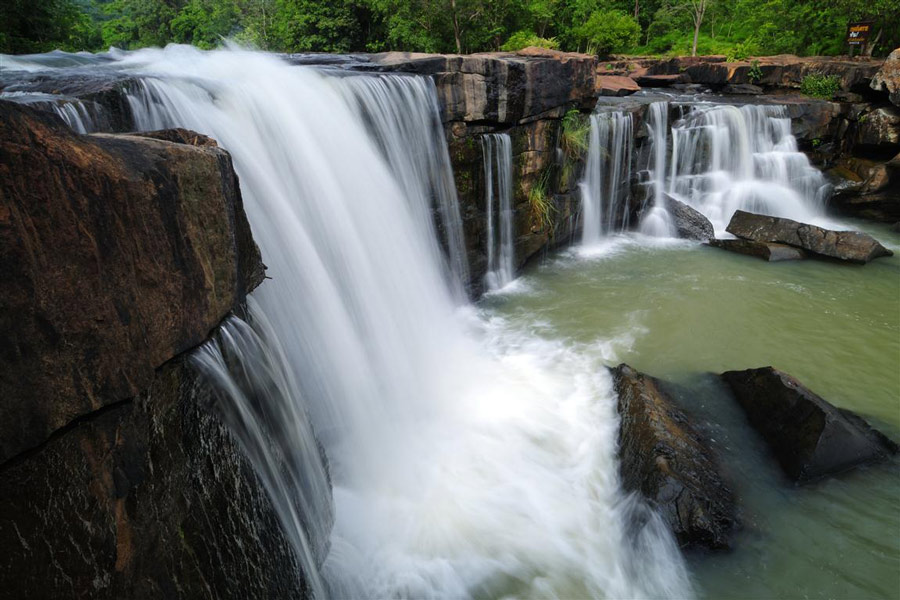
x,y
853,246
810,437
670,464
887,79
146,498
118,479
119,253
690,224
766,250
867,188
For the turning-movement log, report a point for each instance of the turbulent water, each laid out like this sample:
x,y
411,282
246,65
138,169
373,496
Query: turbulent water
x,y
497,155
466,459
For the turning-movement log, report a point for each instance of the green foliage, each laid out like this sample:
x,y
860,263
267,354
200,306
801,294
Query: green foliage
x,y
540,203
734,28
574,134
820,86
608,31
524,39
755,73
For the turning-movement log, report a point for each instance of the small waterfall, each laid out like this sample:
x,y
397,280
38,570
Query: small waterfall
x,y
656,220
497,152
249,370
81,116
606,188
726,158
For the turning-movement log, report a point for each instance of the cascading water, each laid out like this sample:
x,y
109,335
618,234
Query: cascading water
x,y
726,158
497,153
83,117
656,220
606,187
467,458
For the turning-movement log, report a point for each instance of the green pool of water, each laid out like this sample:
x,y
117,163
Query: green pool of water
x,y
684,312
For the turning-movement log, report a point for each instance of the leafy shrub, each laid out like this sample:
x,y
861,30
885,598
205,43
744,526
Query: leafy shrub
x,y
741,50
608,31
574,135
755,73
524,39
540,203
820,86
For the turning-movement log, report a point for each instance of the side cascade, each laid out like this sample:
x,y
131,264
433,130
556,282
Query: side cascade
x,y
497,152
606,187
726,158
656,220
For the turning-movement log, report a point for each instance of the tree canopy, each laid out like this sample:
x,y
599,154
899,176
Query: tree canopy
x,y
737,28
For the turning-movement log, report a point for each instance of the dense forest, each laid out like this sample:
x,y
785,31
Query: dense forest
x,y
736,28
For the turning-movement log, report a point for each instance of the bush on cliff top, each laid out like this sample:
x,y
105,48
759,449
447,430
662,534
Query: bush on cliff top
x,y
524,39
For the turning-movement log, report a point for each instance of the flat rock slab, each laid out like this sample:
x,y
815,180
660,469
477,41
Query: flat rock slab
x,y
615,85
661,80
672,466
852,246
810,437
769,251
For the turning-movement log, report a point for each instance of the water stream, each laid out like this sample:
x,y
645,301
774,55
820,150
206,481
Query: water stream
x,y
497,153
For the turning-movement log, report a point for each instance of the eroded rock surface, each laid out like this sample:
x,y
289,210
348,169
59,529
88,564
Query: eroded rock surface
x,y
853,246
809,436
664,458
119,252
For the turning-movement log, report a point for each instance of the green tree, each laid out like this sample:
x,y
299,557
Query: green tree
x,y
608,31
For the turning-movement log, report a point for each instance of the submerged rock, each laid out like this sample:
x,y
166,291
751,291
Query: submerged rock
x,y
853,246
670,464
810,437
887,79
689,222
766,250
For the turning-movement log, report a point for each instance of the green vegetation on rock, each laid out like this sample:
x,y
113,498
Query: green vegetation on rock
x,y
820,86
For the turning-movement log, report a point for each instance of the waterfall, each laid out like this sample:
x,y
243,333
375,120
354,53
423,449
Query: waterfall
x,y
467,459
81,116
726,158
656,220
606,187
246,366
497,153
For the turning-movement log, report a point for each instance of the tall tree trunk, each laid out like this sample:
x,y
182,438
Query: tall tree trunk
x,y
456,27
696,34
636,10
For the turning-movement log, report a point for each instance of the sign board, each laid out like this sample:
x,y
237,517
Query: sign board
x,y
858,33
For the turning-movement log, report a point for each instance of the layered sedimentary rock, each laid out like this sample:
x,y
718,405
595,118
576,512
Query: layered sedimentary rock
x,y
664,458
852,246
118,254
809,436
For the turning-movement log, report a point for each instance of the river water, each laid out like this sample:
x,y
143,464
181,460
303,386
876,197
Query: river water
x,y
684,312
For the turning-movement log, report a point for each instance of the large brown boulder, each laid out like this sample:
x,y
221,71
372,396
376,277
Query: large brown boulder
x,y
765,250
853,246
809,436
887,79
690,223
615,85
118,253
665,459
119,479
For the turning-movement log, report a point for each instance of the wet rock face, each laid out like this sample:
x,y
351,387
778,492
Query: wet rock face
x,y
146,498
887,79
690,224
810,437
670,464
118,253
852,246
